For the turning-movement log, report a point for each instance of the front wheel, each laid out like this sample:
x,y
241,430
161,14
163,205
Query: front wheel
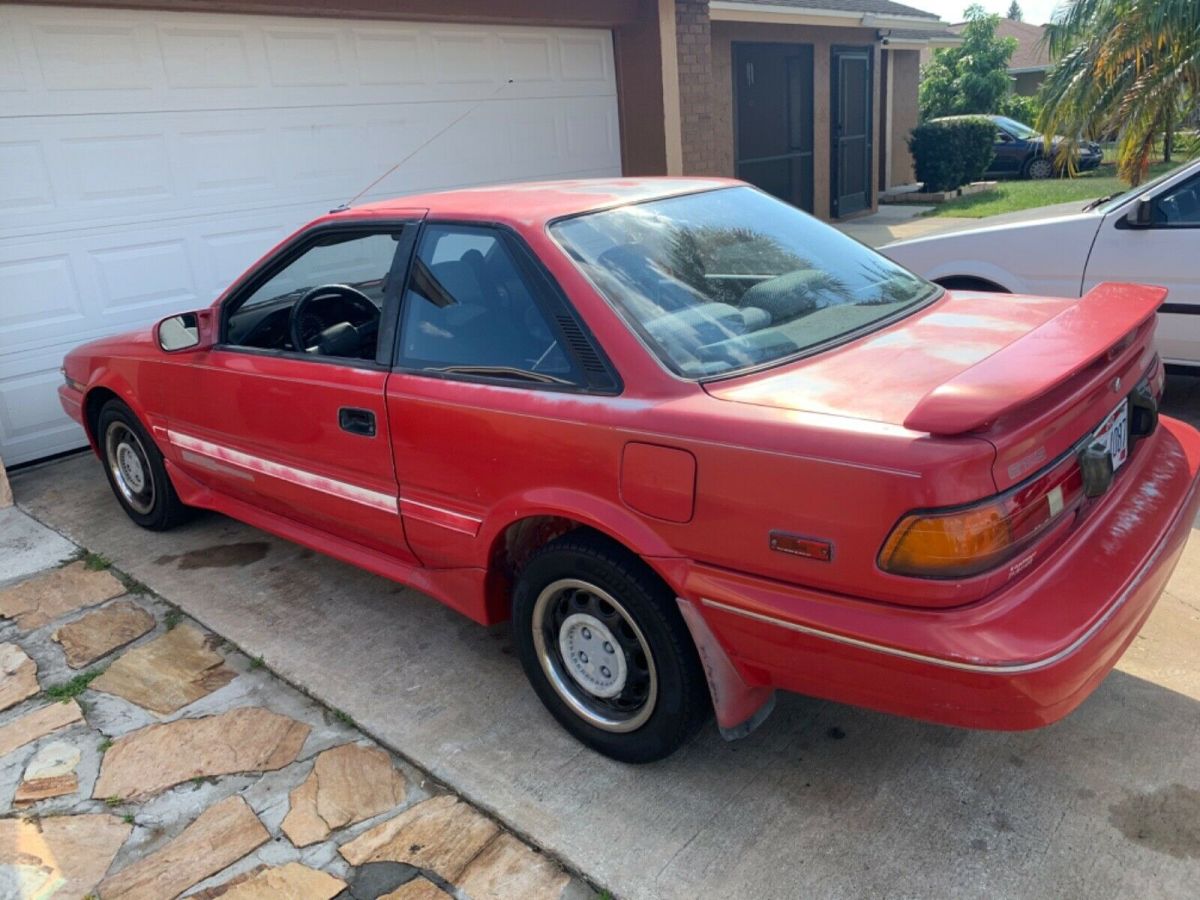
x,y
135,470
1039,168
603,643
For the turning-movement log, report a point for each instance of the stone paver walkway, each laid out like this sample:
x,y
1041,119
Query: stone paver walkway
x,y
142,757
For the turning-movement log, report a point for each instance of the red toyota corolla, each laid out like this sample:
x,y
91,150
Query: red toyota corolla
x,y
697,446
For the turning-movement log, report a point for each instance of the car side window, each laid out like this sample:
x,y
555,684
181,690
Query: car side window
x,y
1179,206
470,309
328,301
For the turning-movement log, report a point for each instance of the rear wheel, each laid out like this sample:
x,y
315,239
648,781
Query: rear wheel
x,y
135,470
603,643
1039,168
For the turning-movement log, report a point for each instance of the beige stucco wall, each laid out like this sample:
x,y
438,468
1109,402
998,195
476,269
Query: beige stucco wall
x,y
905,74
724,34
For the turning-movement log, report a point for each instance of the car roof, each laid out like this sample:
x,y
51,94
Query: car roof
x,y
541,201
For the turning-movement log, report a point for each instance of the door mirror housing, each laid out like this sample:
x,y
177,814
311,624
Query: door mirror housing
x,y
1142,214
185,331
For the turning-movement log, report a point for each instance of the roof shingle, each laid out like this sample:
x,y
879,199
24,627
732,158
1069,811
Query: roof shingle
x,y
1031,53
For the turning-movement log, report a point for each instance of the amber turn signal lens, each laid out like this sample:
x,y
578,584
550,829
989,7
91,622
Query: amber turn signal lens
x,y
947,545
957,543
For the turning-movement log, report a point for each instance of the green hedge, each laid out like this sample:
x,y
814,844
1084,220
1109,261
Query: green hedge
x,y
952,153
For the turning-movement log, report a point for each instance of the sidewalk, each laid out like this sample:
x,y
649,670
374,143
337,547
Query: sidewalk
x,y
143,756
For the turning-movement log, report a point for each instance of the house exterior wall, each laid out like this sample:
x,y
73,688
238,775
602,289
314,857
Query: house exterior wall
x,y
822,39
905,74
673,71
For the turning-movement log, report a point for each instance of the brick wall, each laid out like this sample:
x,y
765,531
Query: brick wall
x,y
694,40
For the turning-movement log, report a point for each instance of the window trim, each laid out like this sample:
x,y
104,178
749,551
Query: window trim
x,y
1193,179
295,247
551,300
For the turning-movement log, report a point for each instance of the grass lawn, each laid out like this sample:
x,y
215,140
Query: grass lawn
x,y
1012,195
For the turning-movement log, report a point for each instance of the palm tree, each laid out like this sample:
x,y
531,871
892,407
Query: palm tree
x,y
1122,66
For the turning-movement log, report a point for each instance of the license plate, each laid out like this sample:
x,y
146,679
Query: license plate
x,y
1113,433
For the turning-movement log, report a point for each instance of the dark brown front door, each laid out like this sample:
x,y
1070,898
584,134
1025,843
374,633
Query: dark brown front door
x,y
773,112
850,172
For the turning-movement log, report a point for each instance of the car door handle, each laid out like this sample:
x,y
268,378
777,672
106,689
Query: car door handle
x,y
357,421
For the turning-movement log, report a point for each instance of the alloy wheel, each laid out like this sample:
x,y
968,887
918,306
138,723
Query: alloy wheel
x,y
1041,168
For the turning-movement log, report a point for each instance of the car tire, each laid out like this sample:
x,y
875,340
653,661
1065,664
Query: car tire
x,y
641,693
1039,168
135,470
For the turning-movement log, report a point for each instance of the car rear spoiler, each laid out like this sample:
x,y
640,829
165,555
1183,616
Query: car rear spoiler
x,y
1037,362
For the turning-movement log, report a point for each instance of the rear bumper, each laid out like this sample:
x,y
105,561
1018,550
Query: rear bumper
x,y
1022,658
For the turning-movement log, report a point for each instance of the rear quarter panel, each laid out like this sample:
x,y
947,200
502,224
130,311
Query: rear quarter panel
x,y
494,455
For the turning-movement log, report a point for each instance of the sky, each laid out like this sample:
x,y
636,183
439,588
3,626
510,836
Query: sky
x,y
1036,12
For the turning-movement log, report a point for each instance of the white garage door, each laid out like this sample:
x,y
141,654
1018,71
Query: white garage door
x,y
146,158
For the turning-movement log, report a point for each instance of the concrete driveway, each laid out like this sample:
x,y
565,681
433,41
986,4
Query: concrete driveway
x,y
824,800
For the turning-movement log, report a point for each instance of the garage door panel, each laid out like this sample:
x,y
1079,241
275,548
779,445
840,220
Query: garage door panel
x,y
145,278
586,58
26,185
94,56
110,61
109,170
197,58
150,157
388,57
115,279
224,162
32,423
41,295
227,254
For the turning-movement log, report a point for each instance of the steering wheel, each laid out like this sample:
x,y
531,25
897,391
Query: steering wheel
x,y
311,333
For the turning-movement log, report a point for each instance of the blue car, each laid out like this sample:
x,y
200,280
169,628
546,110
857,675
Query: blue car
x,y
1021,151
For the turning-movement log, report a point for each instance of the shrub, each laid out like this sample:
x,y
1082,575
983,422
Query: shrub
x,y
977,139
1023,109
948,154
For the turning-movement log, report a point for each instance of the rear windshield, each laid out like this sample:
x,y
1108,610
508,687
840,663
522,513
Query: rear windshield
x,y
732,279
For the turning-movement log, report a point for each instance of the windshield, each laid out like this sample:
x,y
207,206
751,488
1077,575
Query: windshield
x,y
733,279
1015,128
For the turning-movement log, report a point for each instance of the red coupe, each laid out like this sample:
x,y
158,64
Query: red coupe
x,y
697,446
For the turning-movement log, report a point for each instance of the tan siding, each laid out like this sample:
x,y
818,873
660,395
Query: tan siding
x,y
905,73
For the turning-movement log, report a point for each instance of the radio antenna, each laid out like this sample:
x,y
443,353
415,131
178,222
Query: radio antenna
x,y
470,109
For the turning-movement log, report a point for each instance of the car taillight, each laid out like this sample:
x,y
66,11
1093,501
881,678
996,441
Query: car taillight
x,y
965,541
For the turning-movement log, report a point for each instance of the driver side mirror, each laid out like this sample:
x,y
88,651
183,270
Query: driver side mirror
x,y
1142,214
185,331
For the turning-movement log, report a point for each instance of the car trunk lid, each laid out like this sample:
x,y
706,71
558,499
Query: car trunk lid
x,y
1032,375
